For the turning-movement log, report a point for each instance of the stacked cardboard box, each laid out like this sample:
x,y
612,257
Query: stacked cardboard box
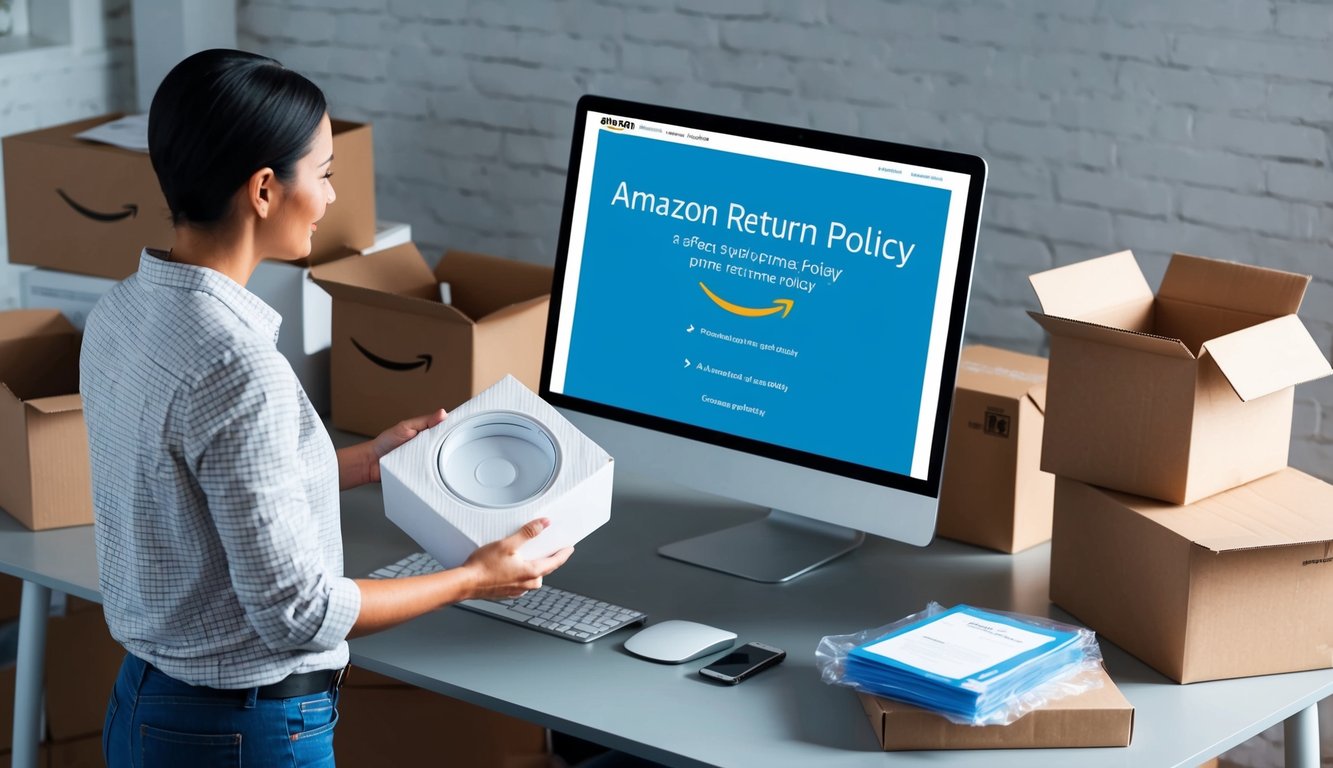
x,y
83,211
1179,532
82,662
90,208
994,493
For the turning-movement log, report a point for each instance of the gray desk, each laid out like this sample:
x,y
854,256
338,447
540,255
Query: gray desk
x,y
784,717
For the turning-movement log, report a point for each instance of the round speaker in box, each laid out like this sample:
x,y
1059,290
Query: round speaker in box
x,y
498,459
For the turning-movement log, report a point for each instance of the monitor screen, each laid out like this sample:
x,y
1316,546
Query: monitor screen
x,y
783,293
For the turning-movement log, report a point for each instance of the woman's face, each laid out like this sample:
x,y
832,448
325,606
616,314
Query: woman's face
x,y
304,199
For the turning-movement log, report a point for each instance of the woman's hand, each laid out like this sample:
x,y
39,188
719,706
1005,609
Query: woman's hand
x,y
495,570
498,571
360,464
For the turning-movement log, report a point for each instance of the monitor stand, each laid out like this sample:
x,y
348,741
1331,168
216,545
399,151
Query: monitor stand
x,y
772,549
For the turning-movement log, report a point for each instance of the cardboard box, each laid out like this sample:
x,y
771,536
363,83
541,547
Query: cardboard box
x,y
82,661
383,722
1101,717
80,206
43,442
994,493
1235,585
1177,396
399,352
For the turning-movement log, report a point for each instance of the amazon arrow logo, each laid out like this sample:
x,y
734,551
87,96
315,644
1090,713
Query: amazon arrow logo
x,y
130,210
393,365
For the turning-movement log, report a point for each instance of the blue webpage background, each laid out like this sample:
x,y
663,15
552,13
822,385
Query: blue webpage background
x,y
853,390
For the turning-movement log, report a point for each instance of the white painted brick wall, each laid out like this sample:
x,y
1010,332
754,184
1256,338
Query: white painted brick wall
x,y
1195,125
56,84
1200,126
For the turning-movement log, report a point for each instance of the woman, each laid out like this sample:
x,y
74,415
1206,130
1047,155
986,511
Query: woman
x,y
215,485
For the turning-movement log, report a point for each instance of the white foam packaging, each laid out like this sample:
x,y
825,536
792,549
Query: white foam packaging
x,y
74,295
499,460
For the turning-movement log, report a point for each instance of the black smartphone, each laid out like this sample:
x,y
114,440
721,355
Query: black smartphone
x,y
743,662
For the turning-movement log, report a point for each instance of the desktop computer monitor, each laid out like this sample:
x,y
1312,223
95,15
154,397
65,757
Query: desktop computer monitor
x,y
767,313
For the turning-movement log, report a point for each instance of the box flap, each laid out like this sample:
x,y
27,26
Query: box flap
x,y
1285,508
515,309
396,278
1000,371
342,292
1232,285
481,284
27,323
399,270
1109,290
333,254
56,403
1268,357
1144,342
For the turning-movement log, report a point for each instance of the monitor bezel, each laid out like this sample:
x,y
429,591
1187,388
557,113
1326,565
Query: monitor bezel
x,y
971,165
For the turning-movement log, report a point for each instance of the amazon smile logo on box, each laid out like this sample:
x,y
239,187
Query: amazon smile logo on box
x,y
128,210
389,328
393,365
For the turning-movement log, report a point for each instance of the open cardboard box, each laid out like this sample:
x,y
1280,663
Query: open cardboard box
x,y
91,208
994,493
1100,717
43,442
1235,585
306,309
399,352
1177,396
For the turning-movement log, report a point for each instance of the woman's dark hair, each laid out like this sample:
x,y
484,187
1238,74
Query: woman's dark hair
x,y
219,116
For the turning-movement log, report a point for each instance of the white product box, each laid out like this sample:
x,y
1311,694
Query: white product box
x,y
498,461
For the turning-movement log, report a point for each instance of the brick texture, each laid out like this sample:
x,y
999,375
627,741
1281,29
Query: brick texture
x,y
1197,125
1203,126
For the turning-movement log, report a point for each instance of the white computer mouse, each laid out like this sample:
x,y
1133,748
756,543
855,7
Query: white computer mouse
x,y
677,641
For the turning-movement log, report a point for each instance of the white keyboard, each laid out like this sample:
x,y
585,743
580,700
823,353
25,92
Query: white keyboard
x,y
554,611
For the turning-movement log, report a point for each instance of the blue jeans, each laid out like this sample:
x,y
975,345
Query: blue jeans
x,y
155,720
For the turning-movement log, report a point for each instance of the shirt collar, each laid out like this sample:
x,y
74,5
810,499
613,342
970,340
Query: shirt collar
x,y
157,270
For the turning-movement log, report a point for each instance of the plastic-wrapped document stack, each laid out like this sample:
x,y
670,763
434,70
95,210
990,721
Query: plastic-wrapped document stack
x,y
970,665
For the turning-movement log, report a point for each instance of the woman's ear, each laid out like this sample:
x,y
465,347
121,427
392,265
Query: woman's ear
x,y
261,191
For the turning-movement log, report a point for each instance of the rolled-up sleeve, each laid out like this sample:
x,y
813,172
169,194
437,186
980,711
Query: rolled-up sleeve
x,y
244,435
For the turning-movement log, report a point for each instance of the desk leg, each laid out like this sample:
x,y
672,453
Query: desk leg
x,y
28,675
1300,740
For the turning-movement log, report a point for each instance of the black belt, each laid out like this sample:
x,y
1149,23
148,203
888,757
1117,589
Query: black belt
x,y
299,684
304,684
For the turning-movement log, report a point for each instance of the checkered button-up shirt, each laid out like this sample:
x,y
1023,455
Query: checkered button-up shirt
x,y
215,485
